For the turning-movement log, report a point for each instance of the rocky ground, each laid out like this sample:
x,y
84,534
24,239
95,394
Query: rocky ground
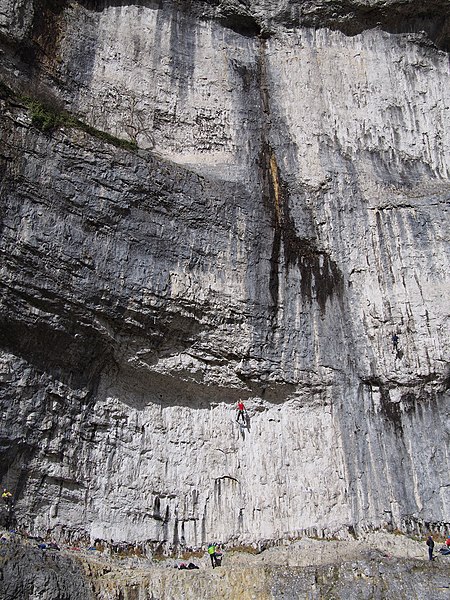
x,y
377,565
202,202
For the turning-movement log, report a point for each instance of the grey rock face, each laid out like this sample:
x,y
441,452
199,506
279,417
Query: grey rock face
x,y
286,215
31,573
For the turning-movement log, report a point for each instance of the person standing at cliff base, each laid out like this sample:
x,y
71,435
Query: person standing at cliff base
x,y
212,554
430,544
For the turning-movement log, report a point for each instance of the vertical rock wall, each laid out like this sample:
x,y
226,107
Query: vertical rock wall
x,y
286,215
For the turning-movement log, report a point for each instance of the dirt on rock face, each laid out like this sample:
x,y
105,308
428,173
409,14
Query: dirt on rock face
x,y
376,567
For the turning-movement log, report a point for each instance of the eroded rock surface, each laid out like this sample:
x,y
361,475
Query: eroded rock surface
x,y
286,214
375,567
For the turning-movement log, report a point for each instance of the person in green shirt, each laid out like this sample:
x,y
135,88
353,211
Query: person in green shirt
x,y
212,554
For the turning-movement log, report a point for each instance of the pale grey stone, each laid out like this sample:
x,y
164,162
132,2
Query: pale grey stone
x,y
286,214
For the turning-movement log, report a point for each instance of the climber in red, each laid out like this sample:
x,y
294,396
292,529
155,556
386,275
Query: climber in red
x,y
241,412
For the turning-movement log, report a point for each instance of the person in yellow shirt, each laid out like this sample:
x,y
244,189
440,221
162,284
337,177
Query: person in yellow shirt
x,y
212,554
7,496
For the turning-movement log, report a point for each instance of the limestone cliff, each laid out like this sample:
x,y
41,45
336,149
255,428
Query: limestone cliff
x,y
280,213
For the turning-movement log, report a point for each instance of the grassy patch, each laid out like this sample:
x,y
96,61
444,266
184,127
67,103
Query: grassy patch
x,y
47,116
192,554
397,532
106,137
47,119
130,553
244,548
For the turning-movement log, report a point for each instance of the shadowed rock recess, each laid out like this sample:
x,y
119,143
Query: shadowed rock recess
x,y
278,213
